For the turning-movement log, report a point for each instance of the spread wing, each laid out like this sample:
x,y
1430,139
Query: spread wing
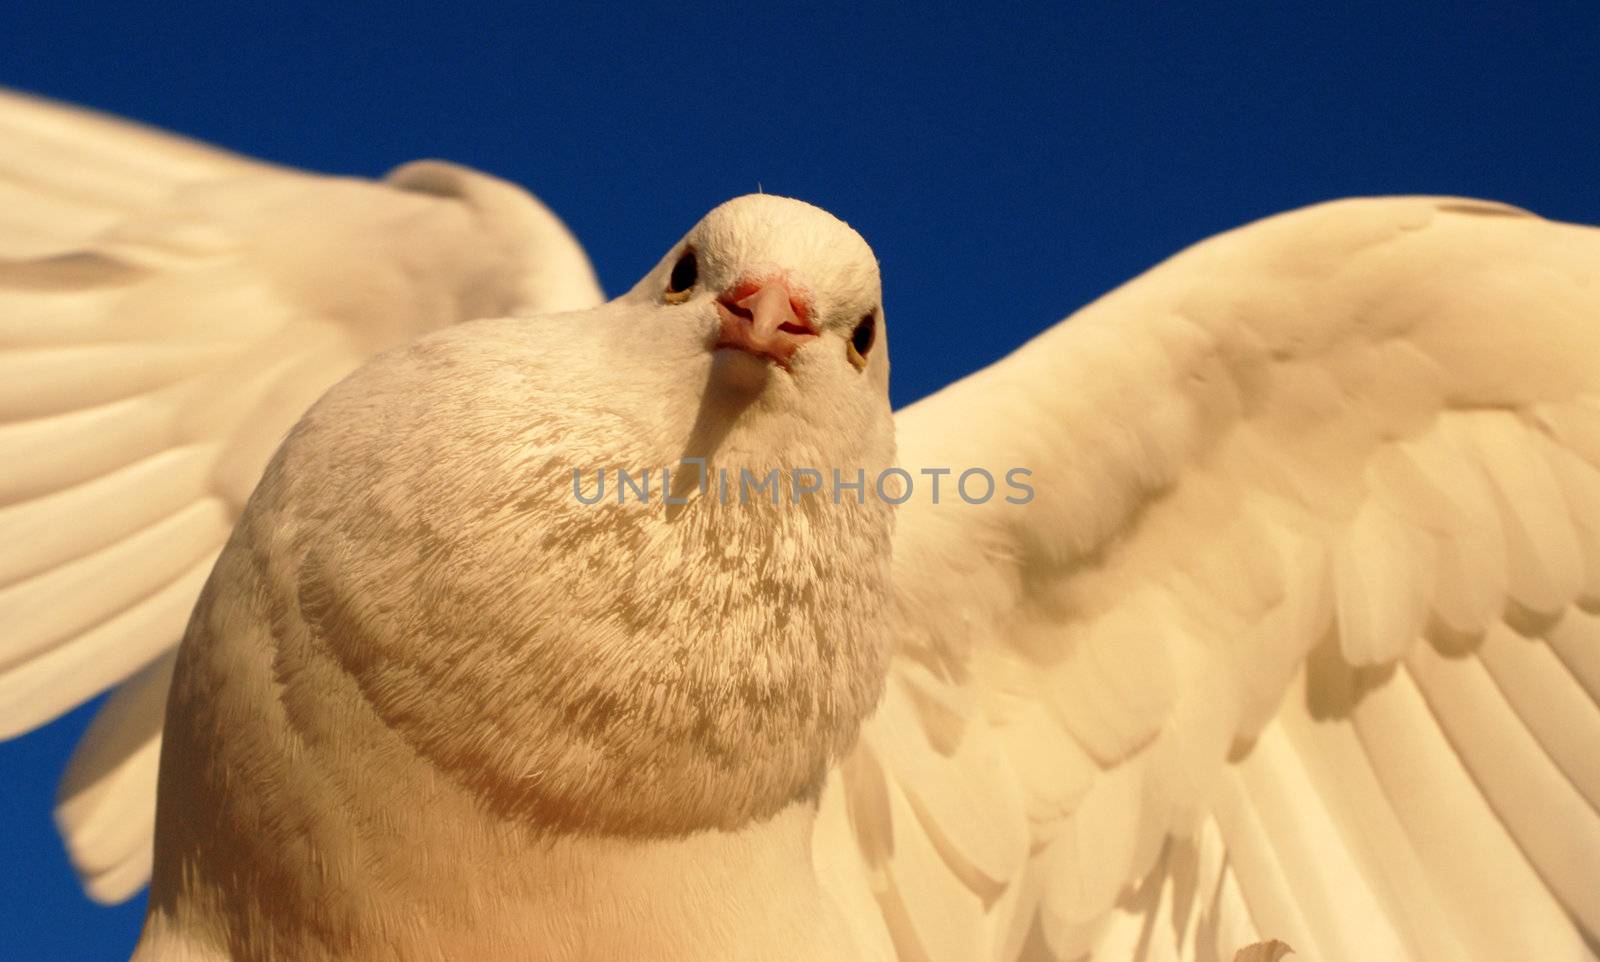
x,y
167,312
1299,637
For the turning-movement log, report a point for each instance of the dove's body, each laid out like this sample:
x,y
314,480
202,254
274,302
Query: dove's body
x,y
610,722
1296,640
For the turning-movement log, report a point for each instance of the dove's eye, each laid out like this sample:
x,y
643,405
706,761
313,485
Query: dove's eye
x,y
862,339
684,275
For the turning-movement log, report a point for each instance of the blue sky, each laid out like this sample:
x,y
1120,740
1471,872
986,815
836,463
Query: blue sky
x,y
1008,165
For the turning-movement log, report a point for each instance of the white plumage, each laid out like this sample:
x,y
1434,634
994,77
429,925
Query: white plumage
x,y
1297,640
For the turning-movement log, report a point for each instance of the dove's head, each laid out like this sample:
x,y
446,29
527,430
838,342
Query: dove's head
x,y
760,337
783,295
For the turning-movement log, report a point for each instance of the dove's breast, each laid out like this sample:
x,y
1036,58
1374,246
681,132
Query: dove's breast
x,y
431,699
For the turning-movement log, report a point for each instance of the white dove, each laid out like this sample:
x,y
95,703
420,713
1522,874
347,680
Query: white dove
x,y
1291,638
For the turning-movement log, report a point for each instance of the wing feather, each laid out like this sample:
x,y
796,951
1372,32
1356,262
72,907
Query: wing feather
x,y
103,583
1307,586
106,801
1496,902
167,312
120,502
954,792
1263,876
1543,695
79,667
1550,821
1576,641
1543,559
68,174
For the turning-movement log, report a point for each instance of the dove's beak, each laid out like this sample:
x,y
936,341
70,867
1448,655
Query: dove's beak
x,y
764,317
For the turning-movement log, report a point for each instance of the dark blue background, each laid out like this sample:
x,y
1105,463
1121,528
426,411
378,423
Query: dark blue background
x,y
1007,164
